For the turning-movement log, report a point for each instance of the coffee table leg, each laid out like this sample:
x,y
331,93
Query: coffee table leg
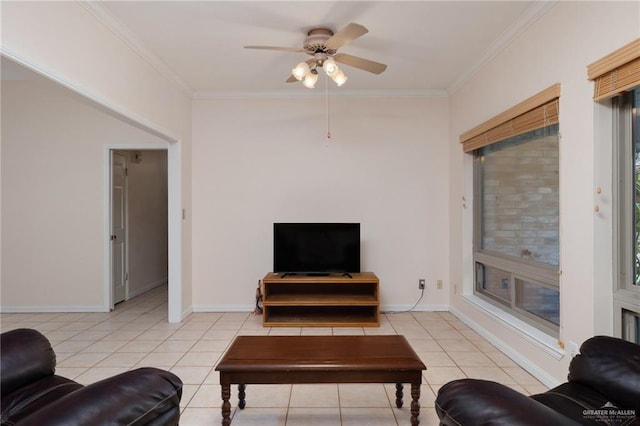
x,y
415,404
241,396
226,406
399,395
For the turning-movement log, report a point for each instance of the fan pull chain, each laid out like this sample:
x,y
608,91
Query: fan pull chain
x,y
326,96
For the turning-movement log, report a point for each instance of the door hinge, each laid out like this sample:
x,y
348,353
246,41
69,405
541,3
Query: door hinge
x,y
126,276
113,237
126,171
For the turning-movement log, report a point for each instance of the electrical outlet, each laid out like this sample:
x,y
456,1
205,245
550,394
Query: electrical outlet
x,y
439,284
421,283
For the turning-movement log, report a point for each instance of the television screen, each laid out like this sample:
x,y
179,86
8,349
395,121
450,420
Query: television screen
x,y
316,248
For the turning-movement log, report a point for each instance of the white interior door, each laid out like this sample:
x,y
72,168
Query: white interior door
x,y
119,264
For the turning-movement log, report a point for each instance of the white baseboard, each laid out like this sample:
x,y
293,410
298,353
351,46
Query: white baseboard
x,y
383,309
148,287
419,308
185,313
49,309
223,308
506,349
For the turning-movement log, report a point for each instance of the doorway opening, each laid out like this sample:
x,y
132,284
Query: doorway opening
x,y
138,222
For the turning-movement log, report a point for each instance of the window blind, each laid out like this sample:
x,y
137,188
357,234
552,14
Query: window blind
x,y
616,72
534,113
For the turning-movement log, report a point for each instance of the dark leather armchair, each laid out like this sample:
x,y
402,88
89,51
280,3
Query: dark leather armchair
x,y
31,393
603,388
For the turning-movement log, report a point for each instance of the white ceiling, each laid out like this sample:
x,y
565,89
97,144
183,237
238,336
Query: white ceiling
x,y
430,47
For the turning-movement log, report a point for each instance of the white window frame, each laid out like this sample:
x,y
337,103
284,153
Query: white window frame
x,y
542,274
626,295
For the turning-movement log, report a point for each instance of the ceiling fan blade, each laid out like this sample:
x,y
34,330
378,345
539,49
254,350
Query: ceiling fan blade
x,y
285,49
346,35
361,63
291,79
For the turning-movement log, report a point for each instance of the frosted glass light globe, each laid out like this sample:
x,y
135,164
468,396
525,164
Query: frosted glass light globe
x,y
340,78
330,67
310,80
300,71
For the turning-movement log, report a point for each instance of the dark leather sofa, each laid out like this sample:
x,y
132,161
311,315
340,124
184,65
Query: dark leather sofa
x,y
32,394
603,388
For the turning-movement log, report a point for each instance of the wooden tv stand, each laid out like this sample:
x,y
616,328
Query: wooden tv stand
x,y
321,301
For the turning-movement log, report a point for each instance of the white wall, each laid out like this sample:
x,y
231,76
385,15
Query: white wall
x,y
52,197
556,49
260,161
70,44
147,186
65,41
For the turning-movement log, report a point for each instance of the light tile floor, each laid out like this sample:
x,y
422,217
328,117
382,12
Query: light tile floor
x,y
92,346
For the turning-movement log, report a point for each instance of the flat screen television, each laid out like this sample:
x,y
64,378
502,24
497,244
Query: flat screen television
x,y
316,248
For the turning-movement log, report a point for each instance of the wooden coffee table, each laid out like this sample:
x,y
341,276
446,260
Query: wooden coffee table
x,y
320,359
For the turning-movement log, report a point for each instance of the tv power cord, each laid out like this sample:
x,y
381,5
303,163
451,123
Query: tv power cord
x,y
411,308
258,308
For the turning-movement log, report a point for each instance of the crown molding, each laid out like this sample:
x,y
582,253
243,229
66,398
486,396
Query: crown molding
x,y
135,43
311,94
528,17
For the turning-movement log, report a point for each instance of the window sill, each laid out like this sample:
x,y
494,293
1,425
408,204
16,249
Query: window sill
x,y
546,342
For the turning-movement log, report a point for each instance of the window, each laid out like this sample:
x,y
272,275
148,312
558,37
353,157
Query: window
x,y
627,158
617,80
516,210
630,326
517,250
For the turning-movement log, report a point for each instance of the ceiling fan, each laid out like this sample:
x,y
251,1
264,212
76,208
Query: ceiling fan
x,y
323,44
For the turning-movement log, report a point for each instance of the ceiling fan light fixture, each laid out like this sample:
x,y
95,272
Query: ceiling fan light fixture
x,y
322,45
300,71
330,67
339,78
310,80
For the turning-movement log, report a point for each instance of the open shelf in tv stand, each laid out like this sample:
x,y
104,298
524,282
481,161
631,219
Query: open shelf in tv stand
x,y
321,301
